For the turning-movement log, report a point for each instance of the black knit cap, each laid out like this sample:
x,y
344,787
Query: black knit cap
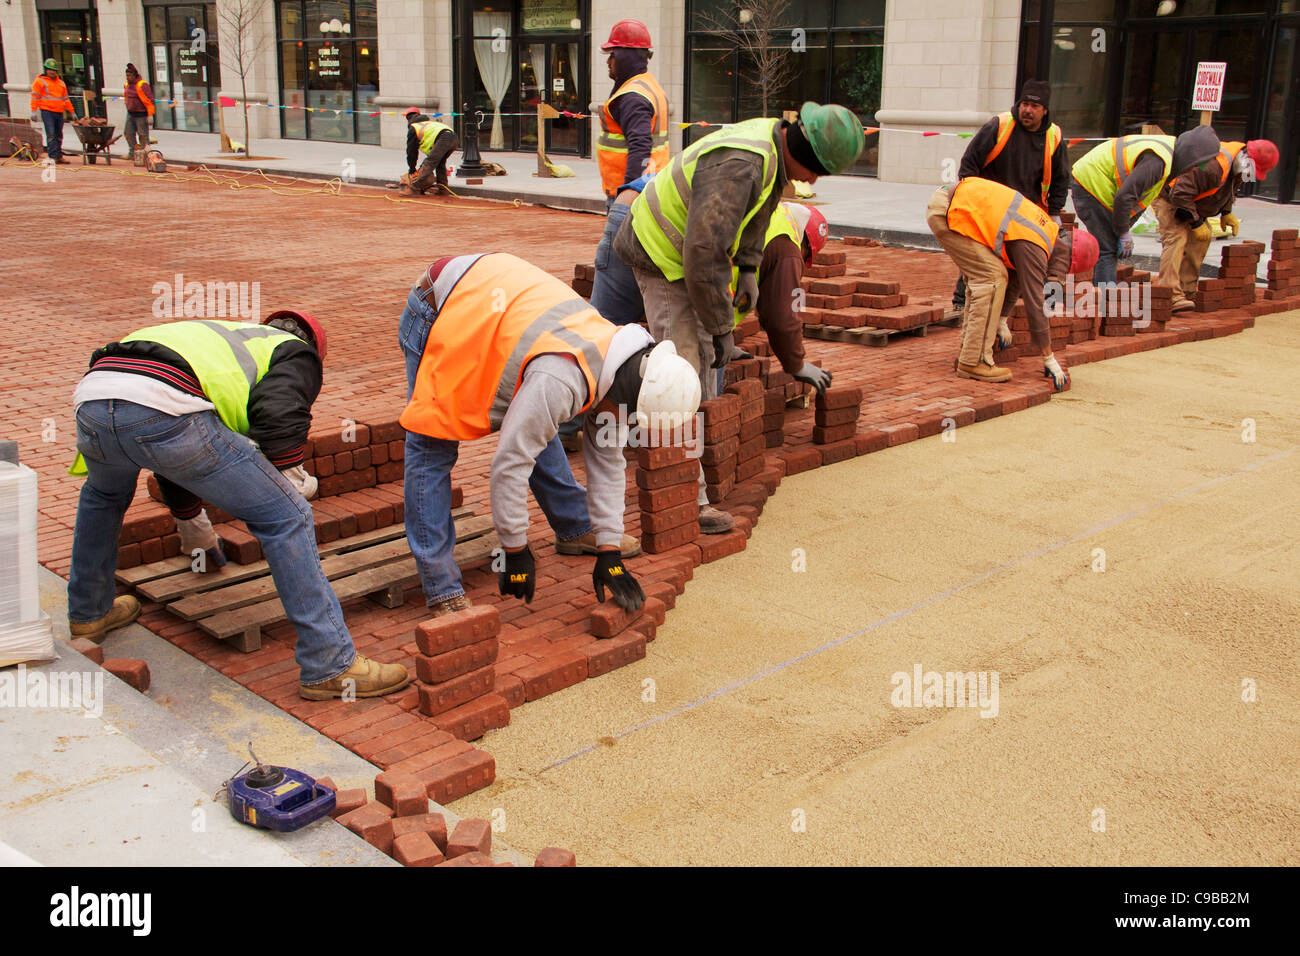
x,y
1035,91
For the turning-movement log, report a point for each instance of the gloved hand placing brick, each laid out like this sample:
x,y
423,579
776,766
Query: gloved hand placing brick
x,y
305,483
610,572
722,348
810,374
1125,248
200,540
1052,369
519,579
1004,335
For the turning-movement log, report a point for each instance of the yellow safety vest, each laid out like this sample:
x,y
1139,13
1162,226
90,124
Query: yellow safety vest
x,y
1105,167
428,131
659,213
1006,125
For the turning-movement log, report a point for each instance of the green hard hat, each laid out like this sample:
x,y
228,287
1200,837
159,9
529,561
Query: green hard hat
x,y
51,64
835,135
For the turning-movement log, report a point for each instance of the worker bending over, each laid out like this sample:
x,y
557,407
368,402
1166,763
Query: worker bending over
x,y
710,210
220,412
436,141
1002,243
1117,179
1198,194
511,349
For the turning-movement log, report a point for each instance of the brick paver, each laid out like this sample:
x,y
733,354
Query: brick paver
x,y
351,260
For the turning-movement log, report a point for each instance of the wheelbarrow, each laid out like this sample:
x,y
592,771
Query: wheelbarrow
x,y
95,141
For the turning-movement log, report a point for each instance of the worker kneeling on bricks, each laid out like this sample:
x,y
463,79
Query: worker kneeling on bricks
x,y
219,411
1002,242
509,348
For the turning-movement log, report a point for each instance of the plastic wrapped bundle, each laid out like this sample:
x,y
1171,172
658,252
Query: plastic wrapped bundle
x,y
25,631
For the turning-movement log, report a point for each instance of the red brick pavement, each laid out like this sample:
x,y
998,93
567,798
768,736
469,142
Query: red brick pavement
x,y
352,261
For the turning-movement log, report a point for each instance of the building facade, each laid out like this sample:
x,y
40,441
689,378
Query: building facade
x,y
342,70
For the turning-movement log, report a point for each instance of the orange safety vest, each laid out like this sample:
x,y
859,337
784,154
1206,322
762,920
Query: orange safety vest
x,y
993,214
50,94
1006,125
611,145
1227,156
477,351
144,97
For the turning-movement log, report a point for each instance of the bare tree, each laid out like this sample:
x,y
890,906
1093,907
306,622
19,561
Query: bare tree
x,y
760,30
244,43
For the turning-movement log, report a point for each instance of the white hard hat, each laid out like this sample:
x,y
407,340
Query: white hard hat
x,y
670,390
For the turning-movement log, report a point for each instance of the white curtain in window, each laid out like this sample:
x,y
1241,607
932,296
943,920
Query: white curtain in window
x,y
537,51
493,65
575,81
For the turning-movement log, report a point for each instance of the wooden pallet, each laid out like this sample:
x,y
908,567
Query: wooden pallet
x,y
877,338
236,602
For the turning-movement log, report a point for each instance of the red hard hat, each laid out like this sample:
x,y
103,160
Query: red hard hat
x,y
411,109
817,230
1084,251
628,33
1263,153
302,318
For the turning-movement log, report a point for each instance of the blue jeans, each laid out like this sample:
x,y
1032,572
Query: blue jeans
x,y
201,454
53,133
430,529
1099,222
615,294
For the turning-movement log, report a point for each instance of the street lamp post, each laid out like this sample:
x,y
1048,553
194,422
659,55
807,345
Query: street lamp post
x,y
471,164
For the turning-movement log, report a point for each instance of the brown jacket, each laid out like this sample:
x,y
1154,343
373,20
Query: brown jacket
x,y
1181,193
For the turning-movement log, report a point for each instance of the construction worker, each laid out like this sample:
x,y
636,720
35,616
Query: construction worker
x,y
795,234
634,120
1117,179
1198,194
220,410
1023,149
988,229
139,107
50,104
709,210
509,348
436,141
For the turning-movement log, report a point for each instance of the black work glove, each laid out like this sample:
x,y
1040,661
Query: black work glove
x,y
722,346
610,572
520,576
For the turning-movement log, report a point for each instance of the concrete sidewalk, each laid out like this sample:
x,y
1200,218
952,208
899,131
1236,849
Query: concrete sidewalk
x,y
893,213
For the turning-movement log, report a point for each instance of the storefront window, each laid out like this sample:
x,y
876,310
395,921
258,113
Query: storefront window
x,y
4,97
184,67
329,70
72,38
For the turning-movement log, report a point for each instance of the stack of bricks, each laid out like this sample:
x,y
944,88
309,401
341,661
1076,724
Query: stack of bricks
x,y
456,676
360,456
584,277
774,416
835,422
1284,265
721,420
751,439
1239,263
667,481
1116,321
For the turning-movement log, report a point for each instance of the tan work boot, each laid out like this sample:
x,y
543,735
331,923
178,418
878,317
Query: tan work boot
x,y
460,602
1182,305
630,547
365,678
714,521
984,372
124,610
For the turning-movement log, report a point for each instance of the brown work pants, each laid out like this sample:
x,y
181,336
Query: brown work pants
x,y
433,171
986,283
1181,254
670,318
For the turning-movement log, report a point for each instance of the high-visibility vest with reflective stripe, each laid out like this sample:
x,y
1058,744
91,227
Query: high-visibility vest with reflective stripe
x,y
50,93
144,97
428,131
779,225
500,315
228,359
993,214
1007,125
1105,167
611,145
1226,158
659,213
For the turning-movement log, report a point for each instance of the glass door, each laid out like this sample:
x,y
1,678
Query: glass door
x,y
532,90
1281,112
72,38
1154,92
564,135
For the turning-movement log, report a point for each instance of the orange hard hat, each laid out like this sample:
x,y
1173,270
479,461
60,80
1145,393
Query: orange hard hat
x,y
305,321
628,33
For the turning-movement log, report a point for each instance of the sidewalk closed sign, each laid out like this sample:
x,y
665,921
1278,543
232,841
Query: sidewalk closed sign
x,y
1208,92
